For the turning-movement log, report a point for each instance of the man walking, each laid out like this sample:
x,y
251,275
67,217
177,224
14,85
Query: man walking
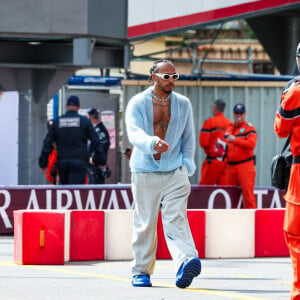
x,y
160,126
70,133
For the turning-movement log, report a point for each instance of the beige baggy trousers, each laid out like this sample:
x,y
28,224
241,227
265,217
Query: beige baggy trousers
x,y
167,191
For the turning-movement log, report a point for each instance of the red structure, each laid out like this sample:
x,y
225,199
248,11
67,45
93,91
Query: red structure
x,y
86,235
269,238
39,237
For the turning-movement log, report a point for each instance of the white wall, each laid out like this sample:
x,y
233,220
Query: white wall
x,y
9,132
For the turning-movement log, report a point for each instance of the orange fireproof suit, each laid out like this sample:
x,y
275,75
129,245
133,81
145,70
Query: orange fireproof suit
x,y
240,167
52,173
212,170
287,122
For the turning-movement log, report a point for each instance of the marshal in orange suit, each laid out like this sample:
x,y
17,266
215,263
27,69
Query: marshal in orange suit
x,y
241,138
212,170
287,122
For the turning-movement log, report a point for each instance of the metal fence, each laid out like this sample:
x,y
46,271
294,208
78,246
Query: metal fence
x,y
261,99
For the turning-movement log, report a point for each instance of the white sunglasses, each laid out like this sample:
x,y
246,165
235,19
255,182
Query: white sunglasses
x,y
166,76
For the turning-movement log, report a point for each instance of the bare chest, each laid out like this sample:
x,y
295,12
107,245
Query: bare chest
x,y
161,118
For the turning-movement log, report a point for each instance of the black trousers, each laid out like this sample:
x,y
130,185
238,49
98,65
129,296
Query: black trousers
x,y
95,176
72,171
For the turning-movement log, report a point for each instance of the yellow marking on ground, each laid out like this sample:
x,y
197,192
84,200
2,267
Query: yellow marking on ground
x,y
117,278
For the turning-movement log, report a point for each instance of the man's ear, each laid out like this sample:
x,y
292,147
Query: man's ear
x,y
153,76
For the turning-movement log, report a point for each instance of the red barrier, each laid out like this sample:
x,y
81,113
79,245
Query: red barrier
x,y
117,196
39,237
162,251
86,235
269,238
197,224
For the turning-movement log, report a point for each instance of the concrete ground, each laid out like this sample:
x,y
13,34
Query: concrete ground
x,y
248,279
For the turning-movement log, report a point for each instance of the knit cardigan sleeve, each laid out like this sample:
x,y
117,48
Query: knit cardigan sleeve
x,y
134,119
188,141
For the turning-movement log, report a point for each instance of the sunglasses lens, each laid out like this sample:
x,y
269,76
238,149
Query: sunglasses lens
x,y
167,76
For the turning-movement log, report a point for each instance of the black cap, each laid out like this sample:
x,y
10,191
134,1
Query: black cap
x,y
93,112
73,101
239,108
298,50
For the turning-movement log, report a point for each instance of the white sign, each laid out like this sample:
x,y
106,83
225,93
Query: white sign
x,y
9,134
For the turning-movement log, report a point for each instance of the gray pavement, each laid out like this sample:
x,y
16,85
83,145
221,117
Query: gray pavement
x,y
248,279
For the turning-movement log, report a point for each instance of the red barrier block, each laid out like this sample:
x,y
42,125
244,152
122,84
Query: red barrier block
x,y
39,237
269,238
197,224
86,235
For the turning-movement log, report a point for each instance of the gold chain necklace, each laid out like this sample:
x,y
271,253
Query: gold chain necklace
x,y
161,100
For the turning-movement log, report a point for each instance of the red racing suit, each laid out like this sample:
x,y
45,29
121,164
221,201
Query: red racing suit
x,y
212,170
287,122
240,167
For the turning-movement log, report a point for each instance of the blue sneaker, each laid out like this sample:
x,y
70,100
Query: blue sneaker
x,y
189,269
141,280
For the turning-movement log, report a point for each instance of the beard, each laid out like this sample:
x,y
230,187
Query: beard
x,y
166,89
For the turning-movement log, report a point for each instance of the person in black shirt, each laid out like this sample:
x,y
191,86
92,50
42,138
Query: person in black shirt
x,y
70,133
97,174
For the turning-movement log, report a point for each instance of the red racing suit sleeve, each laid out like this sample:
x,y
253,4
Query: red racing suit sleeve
x,y
247,141
287,117
204,136
244,143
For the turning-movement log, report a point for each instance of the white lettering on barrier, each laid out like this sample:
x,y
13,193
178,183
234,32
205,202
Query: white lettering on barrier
x,y
211,198
48,199
33,201
276,200
102,199
3,208
78,199
60,194
90,203
259,198
241,200
113,200
126,200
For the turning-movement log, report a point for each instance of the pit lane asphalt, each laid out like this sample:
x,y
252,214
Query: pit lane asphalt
x,y
246,279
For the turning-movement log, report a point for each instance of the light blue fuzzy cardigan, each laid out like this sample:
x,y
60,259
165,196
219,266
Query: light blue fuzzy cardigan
x,y
180,134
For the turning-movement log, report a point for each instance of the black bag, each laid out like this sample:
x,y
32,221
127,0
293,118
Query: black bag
x,y
106,173
281,167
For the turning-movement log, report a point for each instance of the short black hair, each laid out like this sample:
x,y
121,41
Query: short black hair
x,y
93,112
220,104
